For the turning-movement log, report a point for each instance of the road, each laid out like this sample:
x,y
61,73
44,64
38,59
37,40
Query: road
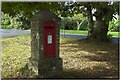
x,y
5,33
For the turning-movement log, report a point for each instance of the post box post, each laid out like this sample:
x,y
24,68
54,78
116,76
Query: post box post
x,y
45,34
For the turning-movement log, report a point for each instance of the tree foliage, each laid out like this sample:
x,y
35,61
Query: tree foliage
x,y
113,26
19,21
21,12
29,8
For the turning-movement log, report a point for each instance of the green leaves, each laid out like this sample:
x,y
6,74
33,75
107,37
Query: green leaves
x,y
113,25
29,8
19,21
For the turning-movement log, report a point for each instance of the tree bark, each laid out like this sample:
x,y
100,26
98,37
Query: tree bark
x,y
100,32
103,16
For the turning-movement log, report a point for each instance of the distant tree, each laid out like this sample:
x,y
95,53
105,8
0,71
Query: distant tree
x,y
103,12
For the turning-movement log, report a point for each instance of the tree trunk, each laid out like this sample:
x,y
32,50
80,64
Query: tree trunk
x,y
90,21
100,32
79,25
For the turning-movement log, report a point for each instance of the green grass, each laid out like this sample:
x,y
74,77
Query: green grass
x,y
74,31
81,58
114,33
86,32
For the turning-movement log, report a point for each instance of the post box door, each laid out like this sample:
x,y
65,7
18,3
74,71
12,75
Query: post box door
x,y
49,41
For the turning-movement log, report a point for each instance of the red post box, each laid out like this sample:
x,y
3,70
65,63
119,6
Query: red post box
x,y
49,39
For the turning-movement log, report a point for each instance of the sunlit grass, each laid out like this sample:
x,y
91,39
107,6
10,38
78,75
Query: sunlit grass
x,y
85,32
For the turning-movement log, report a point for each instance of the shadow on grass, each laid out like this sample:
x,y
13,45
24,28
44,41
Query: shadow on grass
x,y
102,53
95,73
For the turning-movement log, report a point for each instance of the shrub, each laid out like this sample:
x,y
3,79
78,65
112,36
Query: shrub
x,y
72,23
19,21
69,23
113,26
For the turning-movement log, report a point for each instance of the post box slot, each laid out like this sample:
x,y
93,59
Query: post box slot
x,y
49,24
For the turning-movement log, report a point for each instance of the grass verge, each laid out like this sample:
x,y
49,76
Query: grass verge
x,y
86,32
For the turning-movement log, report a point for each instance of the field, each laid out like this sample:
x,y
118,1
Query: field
x,y
81,58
